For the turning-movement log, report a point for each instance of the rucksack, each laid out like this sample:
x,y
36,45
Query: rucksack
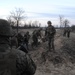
x,y
8,63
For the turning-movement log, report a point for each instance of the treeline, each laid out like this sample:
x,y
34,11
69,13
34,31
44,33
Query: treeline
x,y
26,26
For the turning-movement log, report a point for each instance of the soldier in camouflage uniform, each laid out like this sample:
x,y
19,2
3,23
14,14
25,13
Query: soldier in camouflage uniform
x,y
50,32
20,39
67,31
26,39
39,32
13,61
34,38
64,34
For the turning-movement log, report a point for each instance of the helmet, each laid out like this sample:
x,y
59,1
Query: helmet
x,y
5,28
49,22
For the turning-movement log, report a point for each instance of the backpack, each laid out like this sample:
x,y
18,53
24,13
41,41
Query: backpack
x,y
7,63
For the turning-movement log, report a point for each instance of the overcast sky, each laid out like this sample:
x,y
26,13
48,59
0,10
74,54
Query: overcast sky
x,y
41,10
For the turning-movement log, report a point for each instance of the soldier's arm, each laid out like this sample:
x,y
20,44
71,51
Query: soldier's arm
x,y
24,64
46,32
31,67
54,31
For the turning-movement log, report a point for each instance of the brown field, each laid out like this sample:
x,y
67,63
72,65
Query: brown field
x,y
62,62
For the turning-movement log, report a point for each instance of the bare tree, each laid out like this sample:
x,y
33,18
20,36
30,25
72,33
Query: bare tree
x,y
61,20
66,22
18,14
9,19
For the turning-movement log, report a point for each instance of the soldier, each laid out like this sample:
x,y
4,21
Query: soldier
x,y
39,32
39,35
20,39
68,32
34,38
50,34
45,31
13,61
64,34
26,39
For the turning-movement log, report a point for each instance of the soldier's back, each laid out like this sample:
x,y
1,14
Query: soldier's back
x,y
16,62
24,64
7,62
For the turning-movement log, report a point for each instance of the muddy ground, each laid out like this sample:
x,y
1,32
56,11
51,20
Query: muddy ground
x,y
60,62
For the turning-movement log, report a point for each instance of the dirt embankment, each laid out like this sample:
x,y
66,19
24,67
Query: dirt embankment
x,y
61,62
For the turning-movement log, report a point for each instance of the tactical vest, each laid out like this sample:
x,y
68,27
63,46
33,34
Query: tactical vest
x,y
8,63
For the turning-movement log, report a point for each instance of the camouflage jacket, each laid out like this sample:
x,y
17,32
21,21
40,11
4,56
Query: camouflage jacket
x,y
24,64
50,31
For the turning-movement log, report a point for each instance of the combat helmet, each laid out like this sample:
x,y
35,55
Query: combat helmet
x,y
49,22
5,28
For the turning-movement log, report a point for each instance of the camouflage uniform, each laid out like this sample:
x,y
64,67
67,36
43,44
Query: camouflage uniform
x,y
45,31
64,34
25,65
35,38
50,32
13,61
39,33
26,39
20,39
67,31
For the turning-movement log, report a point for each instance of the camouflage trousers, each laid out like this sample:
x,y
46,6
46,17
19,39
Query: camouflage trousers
x,y
51,44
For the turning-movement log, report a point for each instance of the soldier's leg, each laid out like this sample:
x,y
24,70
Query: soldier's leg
x,y
27,45
68,34
64,33
32,44
52,44
36,42
49,44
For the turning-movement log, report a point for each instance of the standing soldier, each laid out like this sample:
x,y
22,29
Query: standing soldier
x,y
13,61
68,32
50,34
45,31
64,34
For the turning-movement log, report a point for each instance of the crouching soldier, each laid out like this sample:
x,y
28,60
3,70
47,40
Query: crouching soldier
x,y
20,39
13,61
26,39
34,38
